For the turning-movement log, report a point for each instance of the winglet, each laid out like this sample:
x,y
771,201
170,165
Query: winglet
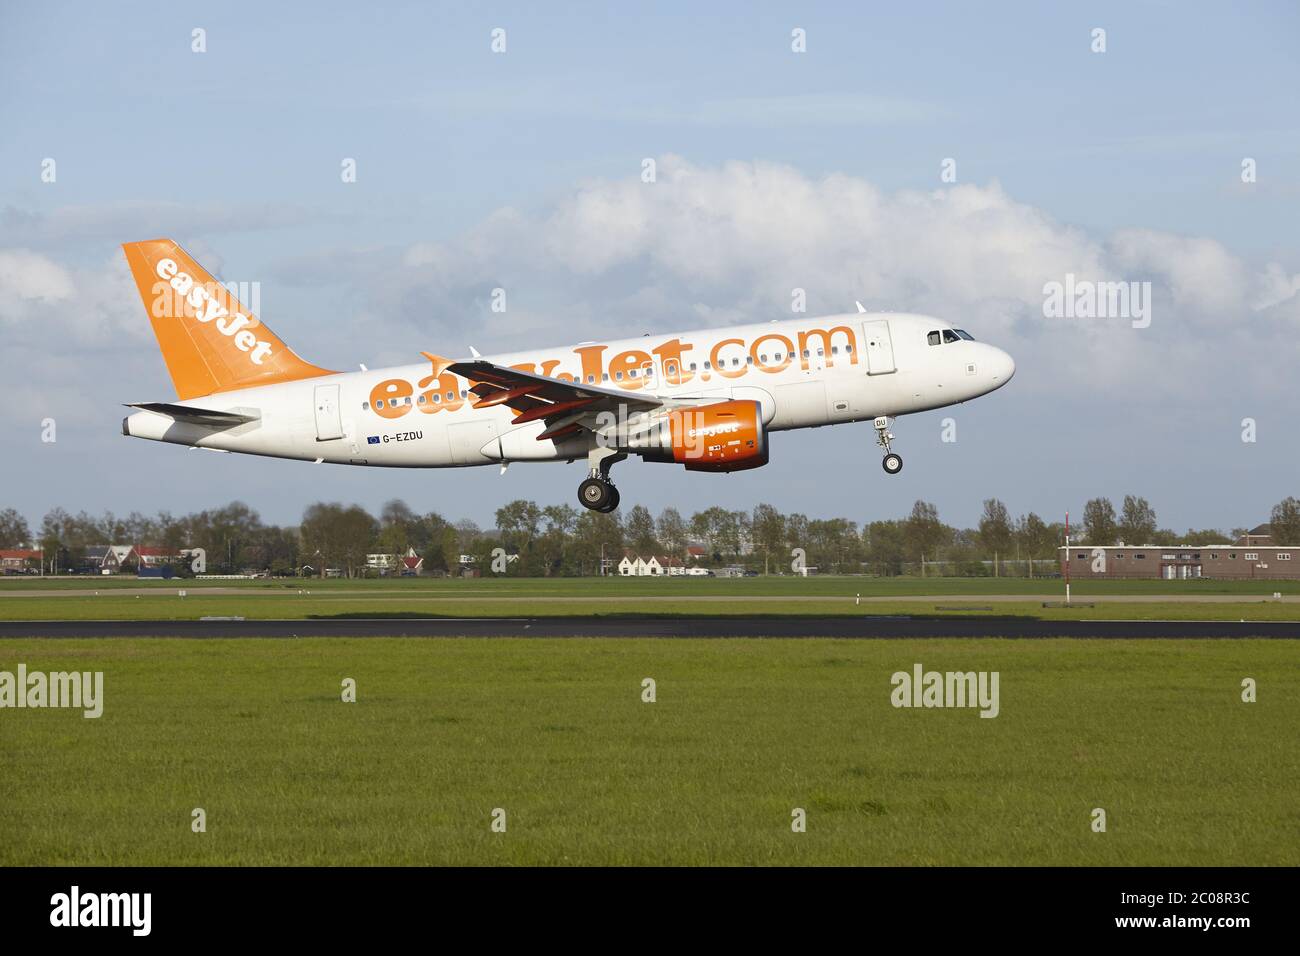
x,y
438,362
859,305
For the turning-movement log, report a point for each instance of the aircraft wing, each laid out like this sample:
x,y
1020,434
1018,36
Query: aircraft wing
x,y
565,407
196,416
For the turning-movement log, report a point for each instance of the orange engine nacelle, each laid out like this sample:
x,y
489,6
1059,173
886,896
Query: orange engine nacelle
x,y
724,436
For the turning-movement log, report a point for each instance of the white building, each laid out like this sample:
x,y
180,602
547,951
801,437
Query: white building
x,y
656,565
390,562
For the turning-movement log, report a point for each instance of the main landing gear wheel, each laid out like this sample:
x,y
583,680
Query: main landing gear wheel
x,y
598,495
598,492
892,464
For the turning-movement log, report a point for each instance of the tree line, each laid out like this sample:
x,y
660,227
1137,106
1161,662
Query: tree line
x,y
560,540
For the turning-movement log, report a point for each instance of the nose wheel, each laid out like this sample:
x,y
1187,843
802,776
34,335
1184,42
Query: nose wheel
x,y
892,463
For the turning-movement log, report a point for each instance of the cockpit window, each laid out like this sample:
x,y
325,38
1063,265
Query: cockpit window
x,y
933,338
966,335
950,336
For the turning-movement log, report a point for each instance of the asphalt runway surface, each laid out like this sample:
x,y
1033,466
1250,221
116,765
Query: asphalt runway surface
x,y
865,626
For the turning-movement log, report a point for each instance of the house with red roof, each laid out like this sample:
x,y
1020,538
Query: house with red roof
x,y
20,560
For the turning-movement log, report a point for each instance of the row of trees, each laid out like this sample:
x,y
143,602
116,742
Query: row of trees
x,y
1135,525
559,539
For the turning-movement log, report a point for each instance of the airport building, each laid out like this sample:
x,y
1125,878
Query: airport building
x,y
1254,556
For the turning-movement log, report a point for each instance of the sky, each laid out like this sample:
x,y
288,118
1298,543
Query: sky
x,y
822,170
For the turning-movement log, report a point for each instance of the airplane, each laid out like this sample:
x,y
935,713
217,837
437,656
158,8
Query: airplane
x,y
707,399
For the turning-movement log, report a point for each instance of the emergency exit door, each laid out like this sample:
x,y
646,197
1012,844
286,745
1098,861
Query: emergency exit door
x,y
329,423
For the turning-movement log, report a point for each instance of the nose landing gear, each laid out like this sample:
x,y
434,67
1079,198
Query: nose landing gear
x,y
597,492
892,463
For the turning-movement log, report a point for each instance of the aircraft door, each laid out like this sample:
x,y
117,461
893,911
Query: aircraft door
x,y
329,424
879,347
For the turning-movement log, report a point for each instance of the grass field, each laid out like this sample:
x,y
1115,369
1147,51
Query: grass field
x,y
743,731
816,585
130,599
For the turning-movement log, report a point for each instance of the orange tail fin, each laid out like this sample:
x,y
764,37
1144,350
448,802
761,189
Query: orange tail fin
x,y
209,341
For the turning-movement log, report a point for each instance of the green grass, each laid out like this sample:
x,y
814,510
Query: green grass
x,y
128,599
817,585
743,731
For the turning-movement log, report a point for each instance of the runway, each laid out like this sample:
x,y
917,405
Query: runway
x,y
860,627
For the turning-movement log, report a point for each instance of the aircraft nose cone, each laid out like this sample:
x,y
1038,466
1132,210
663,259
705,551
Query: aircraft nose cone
x,y
1003,367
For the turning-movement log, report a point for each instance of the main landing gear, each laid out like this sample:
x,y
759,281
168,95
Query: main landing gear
x,y
892,463
597,492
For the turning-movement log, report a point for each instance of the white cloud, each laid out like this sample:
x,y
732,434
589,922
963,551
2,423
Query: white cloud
x,y
27,276
717,245
43,302
725,244
1278,291
70,333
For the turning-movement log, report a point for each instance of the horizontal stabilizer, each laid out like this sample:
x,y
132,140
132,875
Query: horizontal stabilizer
x,y
197,416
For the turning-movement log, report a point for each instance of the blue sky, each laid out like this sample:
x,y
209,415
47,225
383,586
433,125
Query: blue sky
x,y
1126,163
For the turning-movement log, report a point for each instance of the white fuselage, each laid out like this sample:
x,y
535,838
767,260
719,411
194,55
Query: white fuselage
x,y
843,368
